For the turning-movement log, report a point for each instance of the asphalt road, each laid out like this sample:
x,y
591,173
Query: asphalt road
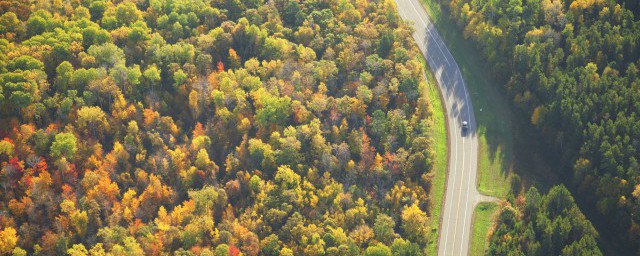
x,y
461,194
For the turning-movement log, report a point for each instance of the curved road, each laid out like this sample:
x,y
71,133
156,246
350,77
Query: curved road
x,y
461,195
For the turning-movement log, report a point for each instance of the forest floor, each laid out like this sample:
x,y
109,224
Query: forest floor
x,y
508,143
439,131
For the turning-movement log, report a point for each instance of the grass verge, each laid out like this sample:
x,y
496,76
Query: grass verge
x,y
482,221
439,133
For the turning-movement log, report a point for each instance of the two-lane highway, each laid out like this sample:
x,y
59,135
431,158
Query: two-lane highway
x,y
461,194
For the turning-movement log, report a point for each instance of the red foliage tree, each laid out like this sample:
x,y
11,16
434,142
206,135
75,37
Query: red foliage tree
x,y
233,250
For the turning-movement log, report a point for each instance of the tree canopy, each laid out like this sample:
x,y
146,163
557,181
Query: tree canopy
x,y
212,127
550,224
573,66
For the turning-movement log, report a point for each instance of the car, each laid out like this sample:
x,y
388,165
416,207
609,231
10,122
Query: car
x,y
465,125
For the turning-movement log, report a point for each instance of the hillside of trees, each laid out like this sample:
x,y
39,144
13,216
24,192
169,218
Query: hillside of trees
x,y
550,224
212,127
573,66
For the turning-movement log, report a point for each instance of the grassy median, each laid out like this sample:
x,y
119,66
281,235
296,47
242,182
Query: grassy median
x,y
482,221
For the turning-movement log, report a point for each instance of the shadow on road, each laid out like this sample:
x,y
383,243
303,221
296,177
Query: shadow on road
x,y
509,137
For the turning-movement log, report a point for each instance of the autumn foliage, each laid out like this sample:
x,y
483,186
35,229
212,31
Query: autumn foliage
x,y
211,128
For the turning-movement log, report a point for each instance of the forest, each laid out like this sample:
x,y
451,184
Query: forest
x,y
212,127
573,66
550,224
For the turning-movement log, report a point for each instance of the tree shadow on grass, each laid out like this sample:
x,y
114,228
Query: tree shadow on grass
x,y
510,138
517,144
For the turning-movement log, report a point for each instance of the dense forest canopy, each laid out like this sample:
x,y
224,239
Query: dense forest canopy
x,y
550,224
573,65
212,127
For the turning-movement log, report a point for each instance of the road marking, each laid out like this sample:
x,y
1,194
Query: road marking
x,y
455,230
455,169
466,208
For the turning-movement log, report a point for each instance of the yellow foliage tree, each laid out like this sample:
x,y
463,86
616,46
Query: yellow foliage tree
x,y
8,240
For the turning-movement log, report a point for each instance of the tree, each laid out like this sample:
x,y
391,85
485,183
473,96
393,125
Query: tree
x,y
379,124
154,196
10,25
80,78
6,147
123,95
270,245
204,163
126,13
106,55
548,224
152,76
194,103
221,250
20,99
403,247
287,178
8,240
129,247
79,221
64,145
385,44
78,250
415,224
262,155
384,228
207,200
92,119
38,24
25,63
274,110
179,78
378,250
234,59
64,72
290,13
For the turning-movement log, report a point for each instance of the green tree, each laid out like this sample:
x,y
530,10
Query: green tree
x,y
551,224
64,71
385,44
10,25
152,77
6,148
274,110
403,247
126,13
38,23
384,228
378,250
106,55
92,119
64,145
207,199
